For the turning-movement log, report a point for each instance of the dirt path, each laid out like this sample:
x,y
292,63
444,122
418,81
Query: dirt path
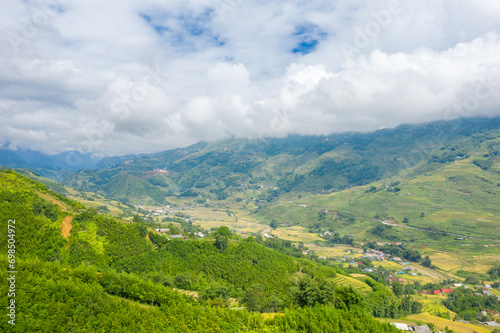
x,y
265,232
66,226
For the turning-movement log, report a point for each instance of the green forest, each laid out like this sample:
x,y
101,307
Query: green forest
x,y
109,276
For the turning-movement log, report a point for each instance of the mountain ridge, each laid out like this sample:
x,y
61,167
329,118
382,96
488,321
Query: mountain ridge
x,y
314,163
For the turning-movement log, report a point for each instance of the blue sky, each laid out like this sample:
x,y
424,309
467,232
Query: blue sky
x,y
120,77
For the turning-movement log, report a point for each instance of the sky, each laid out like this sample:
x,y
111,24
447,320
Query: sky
x,y
117,77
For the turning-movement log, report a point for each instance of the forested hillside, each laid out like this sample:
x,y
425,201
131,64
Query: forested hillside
x,y
446,193
81,271
316,163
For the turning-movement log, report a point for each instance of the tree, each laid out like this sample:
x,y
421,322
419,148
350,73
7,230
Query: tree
x,y
216,291
309,292
426,262
274,224
406,220
254,297
223,231
397,288
221,243
472,280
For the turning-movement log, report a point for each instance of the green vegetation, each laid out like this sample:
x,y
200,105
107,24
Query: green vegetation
x,y
467,305
116,277
336,162
397,250
377,190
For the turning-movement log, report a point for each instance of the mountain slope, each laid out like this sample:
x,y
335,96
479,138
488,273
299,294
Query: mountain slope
x,y
330,163
108,276
458,196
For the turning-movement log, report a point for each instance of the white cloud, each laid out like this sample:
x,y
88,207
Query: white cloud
x,y
127,76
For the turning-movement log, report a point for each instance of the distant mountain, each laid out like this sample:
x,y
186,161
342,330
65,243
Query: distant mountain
x,y
52,166
58,166
296,163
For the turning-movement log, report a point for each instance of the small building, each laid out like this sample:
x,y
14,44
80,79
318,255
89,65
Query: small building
x,y
401,326
177,236
162,230
446,291
392,278
424,292
492,323
436,292
401,280
487,292
400,272
421,329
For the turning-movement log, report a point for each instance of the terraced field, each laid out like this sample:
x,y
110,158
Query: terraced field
x,y
346,281
296,234
441,324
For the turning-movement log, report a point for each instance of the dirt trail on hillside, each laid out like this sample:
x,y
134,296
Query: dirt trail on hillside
x,y
66,227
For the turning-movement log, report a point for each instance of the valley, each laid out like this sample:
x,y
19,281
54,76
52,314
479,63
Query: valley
x,y
252,225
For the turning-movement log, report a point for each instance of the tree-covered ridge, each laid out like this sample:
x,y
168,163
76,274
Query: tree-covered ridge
x,y
110,278
53,298
38,233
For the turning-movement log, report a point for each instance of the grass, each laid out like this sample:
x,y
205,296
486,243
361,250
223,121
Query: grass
x,y
446,261
390,265
458,198
441,323
296,234
346,281
210,214
339,251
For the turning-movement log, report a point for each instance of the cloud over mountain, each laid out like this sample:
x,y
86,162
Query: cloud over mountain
x,y
126,76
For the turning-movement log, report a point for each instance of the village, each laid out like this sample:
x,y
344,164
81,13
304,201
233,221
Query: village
x,y
363,259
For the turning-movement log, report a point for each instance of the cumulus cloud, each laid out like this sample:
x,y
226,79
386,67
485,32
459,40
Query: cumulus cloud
x,y
126,76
